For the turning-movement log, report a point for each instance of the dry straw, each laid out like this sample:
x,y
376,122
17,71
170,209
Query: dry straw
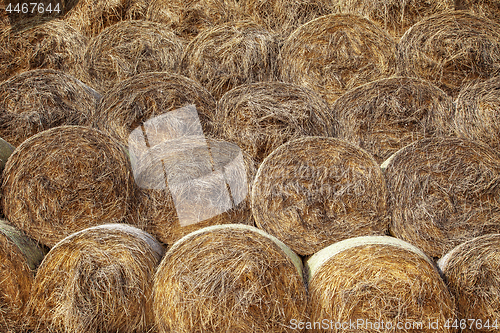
x,y
229,279
229,55
335,53
444,191
37,100
377,283
471,272
78,177
260,117
128,48
97,280
488,8
315,191
451,49
19,257
385,115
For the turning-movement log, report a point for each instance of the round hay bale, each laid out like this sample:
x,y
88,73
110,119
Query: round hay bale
x,y
190,183
52,45
97,280
477,115
487,8
19,257
229,55
230,278
314,191
385,115
78,178
472,275
379,283
335,53
443,192
129,48
37,100
451,49
262,116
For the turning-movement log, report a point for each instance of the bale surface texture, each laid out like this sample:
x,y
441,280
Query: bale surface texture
x,y
487,8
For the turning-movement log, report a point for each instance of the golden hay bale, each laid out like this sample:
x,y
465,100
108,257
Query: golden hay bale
x,y
385,115
19,257
377,284
444,191
488,8
229,55
78,177
129,48
451,49
37,100
335,53
471,272
52,45
97,280
477,115
314,191
230,278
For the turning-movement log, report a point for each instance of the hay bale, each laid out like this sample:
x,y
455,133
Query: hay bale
x,y
129,48
477,115
51,45
78,177
97,280
472,275
314,191
335,53
385,115
443,192
37,100
230,278
262,116
19,257
487,8
451,49
381,284
229,55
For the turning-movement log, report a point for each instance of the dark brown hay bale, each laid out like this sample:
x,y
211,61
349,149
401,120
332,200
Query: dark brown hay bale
x,y
78,177
52,45
129,48
377,283
229,55
477,115
19,257
97,280
230,278
471,272
37,100
451,49
488,8
315,191
443,192
260,117
385,115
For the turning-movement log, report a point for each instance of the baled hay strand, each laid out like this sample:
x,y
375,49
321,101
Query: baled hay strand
x,y
315,191
129,48
97,280
477,115
19,257
377,283
52,45
229,278
229,55
261,116
335,53
64,180
472,275
488,8
443,192
385,115
451,49
190,183
37,100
